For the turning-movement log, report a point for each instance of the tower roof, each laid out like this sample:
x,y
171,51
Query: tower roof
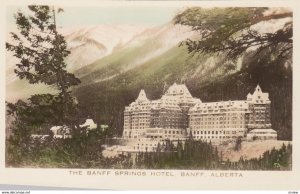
x,y
258,96
142,96
178,90
258,88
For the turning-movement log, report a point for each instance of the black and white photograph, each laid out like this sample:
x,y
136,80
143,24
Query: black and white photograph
x,y
149,88
149,95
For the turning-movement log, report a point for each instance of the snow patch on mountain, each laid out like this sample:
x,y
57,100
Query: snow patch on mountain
x,y
88,44
165,38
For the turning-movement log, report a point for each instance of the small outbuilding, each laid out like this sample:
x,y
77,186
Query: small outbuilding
x,y
89,124
61,132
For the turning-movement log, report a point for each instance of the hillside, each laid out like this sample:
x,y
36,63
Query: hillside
x,y
105,100
154,76
86,44
112,72
144,47
102,51
249,150
91,43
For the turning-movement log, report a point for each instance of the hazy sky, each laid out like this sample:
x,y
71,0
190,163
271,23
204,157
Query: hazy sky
x,y
108,15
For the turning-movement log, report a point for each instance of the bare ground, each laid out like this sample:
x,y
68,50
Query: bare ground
x,y
249,150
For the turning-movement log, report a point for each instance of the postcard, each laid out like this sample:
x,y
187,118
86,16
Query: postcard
x,y
150,94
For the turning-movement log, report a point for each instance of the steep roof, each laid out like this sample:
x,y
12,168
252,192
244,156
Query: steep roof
x,y
141,103
178,90
180,93
142,96
237,104
258,96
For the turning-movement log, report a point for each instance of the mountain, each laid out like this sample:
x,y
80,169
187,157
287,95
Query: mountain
x,y
102,52
209,78
143,47
90,43
86,44
115,62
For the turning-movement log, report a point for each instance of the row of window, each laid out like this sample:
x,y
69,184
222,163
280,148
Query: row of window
x,y
140,118
214,132
223,110
215,118
173,132
218,127
214,137
136,124
212,123
153,136
171,136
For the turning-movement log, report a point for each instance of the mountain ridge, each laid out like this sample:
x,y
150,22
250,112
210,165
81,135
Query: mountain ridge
x,y
151,59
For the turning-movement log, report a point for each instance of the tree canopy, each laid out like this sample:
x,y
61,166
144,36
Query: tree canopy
x,y
235,30
41,51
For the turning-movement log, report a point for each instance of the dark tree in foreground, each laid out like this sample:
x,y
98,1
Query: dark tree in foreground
x,y
41,51
234,30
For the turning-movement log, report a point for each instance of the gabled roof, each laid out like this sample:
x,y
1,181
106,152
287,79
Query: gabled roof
x,y
174,96
178,90
258,96
142,96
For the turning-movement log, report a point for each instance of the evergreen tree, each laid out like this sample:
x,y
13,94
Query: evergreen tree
x,y
230,30
238,144
41,51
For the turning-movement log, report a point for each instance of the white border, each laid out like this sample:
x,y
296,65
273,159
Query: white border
x,y
258,180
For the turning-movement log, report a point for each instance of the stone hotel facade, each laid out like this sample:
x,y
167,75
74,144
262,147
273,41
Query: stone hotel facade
x,y
178,115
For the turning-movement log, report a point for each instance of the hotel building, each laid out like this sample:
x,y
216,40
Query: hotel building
x,y
178,115
165,118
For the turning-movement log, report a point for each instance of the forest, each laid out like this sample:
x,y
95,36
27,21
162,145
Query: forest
x,y
84,150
